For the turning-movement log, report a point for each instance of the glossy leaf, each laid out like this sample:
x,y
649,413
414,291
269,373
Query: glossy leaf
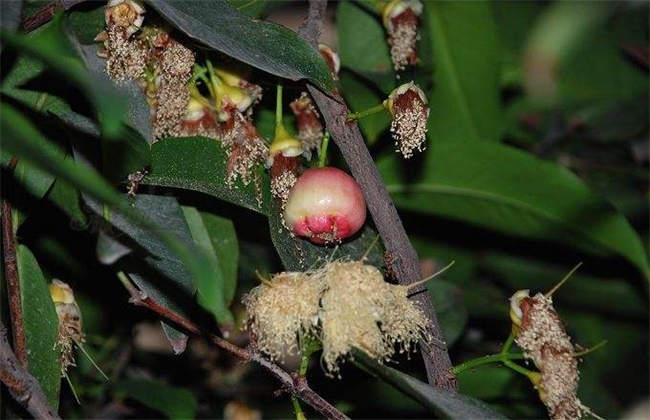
x,y
264,45
500,188
443,403
41,326
173,402
18,138
219,245
199,164
466,71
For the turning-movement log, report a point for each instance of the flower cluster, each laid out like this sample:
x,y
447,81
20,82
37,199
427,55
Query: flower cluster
x,y
410,111
186,99
343,304
160,64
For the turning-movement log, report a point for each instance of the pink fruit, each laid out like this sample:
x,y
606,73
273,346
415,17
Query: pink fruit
x,y
325,205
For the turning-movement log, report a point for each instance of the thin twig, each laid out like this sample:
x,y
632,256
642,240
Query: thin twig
x,y
298,386
405,262
23,387
11,275
46,13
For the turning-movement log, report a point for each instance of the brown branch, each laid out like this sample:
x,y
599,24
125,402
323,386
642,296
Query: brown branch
x,y
297,386
405,262
46,13
11,275
23,387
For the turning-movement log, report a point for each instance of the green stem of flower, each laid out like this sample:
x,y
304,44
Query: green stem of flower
x,y
311,346
358,115
493,358
278,105
506,346
300,415
322,157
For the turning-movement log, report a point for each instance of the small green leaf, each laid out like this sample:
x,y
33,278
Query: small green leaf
x,y
199,164
224,242
173,402
267,46
212,295
443,403
465,104
500,188
41,326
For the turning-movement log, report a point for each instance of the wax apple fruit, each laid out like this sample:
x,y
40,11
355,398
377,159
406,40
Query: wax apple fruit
x,y
325,205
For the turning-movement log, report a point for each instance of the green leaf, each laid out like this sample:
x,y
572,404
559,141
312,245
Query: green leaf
x,y
466,71
199,164
35,181
170,284
267,46
18,136
448,302
443,403
362,40
215,236
41,326
500,188
67,198
173,402
18,83
121,155
583,292
51,47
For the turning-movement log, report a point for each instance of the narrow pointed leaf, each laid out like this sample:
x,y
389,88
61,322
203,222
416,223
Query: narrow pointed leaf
x,y
41,326
443,403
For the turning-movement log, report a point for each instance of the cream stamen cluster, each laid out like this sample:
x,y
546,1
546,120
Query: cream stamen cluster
x,y
401,21
172,94
344,304
410,112
282,307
